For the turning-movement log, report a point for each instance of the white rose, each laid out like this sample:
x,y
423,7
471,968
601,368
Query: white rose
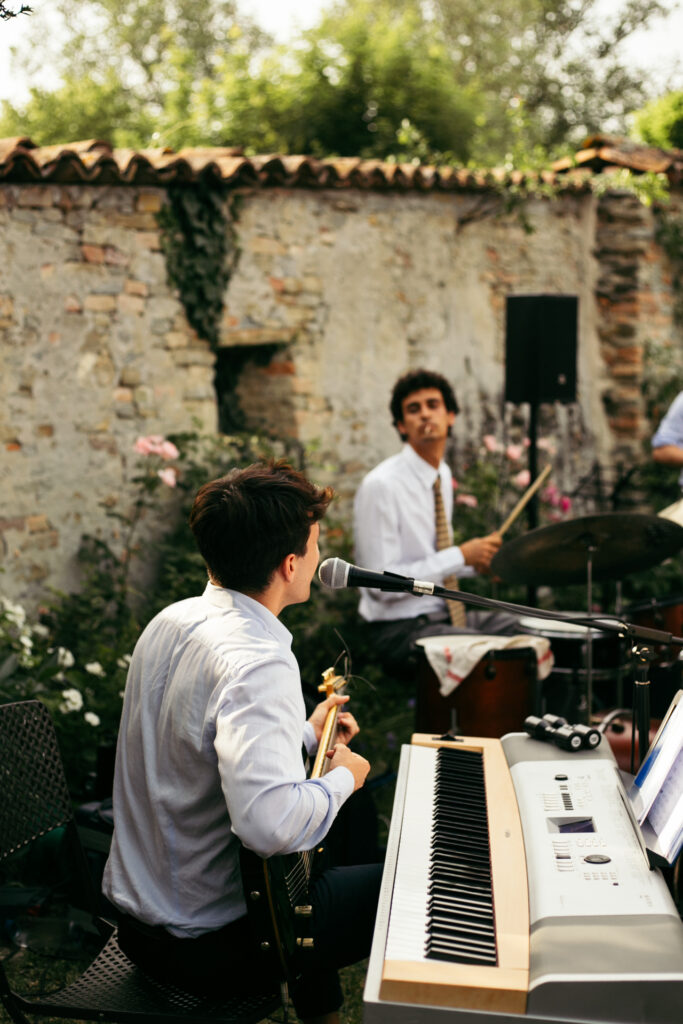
x,y
95,669
14,612
123,661
65,658
73,701
91,718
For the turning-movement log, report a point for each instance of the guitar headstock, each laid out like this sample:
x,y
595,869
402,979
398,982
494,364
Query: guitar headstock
x,y
332,683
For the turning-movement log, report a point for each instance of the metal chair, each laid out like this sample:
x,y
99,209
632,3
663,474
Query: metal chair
x,y
35,801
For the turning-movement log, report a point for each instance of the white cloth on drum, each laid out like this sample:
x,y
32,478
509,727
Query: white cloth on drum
x,y
673,512
452,658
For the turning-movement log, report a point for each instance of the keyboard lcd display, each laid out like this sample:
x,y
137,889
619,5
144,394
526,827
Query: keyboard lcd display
x,y
568,826
582,825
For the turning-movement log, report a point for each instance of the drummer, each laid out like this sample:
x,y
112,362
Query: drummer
x,y
402,525
667,442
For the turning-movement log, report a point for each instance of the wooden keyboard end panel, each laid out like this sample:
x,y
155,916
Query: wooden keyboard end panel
x,y
491,989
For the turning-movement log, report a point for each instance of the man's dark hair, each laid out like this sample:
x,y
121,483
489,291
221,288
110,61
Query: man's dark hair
x,y
415,380
246,523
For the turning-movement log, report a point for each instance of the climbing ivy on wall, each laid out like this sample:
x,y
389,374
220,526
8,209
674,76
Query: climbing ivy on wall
x,y
670,237
200,246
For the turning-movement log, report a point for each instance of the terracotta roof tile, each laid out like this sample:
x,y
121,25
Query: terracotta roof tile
x,y
600,152
93,161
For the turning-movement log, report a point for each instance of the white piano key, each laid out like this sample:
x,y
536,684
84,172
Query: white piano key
x,y
408,922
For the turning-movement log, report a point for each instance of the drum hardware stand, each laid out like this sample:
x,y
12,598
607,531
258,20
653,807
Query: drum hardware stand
x,y
454,733
590,551
618,600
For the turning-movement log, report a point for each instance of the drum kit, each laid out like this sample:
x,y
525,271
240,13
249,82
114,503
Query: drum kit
x,y
590,549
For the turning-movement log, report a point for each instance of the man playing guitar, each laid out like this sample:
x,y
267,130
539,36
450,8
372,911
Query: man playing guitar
x,y
209,757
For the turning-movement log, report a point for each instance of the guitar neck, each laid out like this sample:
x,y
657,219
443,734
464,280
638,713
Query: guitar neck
x,y
328,737
327,741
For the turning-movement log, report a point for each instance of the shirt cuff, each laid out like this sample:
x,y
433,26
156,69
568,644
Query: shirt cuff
x,y
342,781
452,562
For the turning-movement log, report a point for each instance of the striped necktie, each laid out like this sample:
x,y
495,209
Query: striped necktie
x,y
456,609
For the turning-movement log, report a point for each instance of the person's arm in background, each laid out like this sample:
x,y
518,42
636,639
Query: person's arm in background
x,y
667,442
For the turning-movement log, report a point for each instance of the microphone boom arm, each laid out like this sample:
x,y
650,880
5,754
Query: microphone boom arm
x,y
619,626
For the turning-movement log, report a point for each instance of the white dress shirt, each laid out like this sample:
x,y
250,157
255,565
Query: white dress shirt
x,y
395,530
670,430
210,749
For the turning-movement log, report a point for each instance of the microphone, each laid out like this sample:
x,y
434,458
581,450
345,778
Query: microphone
x,y
336,573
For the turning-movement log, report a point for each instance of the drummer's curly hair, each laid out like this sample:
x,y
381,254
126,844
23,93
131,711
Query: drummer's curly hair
x,y
415,380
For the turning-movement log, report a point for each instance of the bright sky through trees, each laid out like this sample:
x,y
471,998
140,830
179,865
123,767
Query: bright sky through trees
x,y
656,49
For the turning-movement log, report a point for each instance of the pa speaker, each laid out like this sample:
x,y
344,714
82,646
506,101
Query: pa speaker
x,y
540,348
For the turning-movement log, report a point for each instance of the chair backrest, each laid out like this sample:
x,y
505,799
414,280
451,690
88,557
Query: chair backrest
x,y
35,801
35,797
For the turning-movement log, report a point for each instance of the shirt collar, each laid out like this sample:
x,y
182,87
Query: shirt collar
x,y
221,597
420,468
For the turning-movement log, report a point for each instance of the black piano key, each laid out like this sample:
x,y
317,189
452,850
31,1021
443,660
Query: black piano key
x,y
437,952
461,923
471,904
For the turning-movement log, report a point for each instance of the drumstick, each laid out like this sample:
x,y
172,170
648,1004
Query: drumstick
x,y
529,493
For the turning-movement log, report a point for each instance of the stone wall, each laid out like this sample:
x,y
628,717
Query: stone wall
x,y
635,313
359,288
336,292
95,350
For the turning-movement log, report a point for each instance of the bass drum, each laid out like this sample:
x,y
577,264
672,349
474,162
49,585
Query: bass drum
x,y
495,698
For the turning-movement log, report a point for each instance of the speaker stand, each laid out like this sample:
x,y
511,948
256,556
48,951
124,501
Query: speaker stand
x,y
532,507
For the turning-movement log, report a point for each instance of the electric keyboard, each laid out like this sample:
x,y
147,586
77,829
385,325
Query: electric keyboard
x,y
472,927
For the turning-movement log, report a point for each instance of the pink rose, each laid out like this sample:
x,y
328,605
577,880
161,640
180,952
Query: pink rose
x,y
167,450
551,495
144,446
565,503
522,479
167,476
490,443
455,483
155,444
466,499
514,452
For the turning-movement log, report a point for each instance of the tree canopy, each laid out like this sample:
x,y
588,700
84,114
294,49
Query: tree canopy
x,y
7,11
660,122
502,81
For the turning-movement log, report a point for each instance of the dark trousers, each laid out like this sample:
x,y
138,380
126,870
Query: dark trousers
x,y
226,961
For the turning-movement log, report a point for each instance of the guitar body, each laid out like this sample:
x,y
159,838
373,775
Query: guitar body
x,y
278,906
276,889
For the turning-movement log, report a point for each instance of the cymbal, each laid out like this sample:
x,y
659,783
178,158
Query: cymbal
x,y
618,542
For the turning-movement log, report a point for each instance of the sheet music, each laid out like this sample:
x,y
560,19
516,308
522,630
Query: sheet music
x,y
666,813
657,791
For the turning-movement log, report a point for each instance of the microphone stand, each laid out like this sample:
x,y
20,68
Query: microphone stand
x,y
640,635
